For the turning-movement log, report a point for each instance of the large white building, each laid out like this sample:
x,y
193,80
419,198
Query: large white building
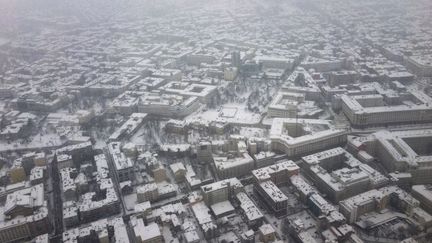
x,y
128,128
377,200
169,105
297,137
339,175
387,107
423,193
278,173
227,167
276,62
159,103
204,92
290,104
221,190
146,233
419,64
267,180
24,215
400,152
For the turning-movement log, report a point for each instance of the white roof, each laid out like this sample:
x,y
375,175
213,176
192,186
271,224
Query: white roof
x,y
147,232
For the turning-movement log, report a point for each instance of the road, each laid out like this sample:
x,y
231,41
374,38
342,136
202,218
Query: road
x,y
57,207
115,179
114,176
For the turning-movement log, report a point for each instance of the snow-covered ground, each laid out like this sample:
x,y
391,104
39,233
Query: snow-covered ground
x,y
229,113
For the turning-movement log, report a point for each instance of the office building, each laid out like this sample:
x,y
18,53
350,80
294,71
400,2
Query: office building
x,y
297,137
340,175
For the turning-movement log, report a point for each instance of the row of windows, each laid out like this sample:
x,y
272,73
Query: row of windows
x,y
14,233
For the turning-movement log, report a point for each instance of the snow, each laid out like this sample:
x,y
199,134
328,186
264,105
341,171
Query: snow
x,y
229,113
147,232
222,208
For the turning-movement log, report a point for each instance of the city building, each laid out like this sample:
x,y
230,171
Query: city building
x,y
146,233
252,213
420,65
129,128
297,137
278,173
339,175
179,171
77,152
207,224
24,215
292,105
273,197
124,165
297,229
204,92
267,233
378,199
103,230
153,192
387,107
221,191
232,166
399,152
167,105
423,193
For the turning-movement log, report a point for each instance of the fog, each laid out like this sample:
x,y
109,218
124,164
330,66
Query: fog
x,y
189,121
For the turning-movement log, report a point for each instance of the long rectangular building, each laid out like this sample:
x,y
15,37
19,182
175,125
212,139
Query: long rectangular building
x,y
297,137
387,108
